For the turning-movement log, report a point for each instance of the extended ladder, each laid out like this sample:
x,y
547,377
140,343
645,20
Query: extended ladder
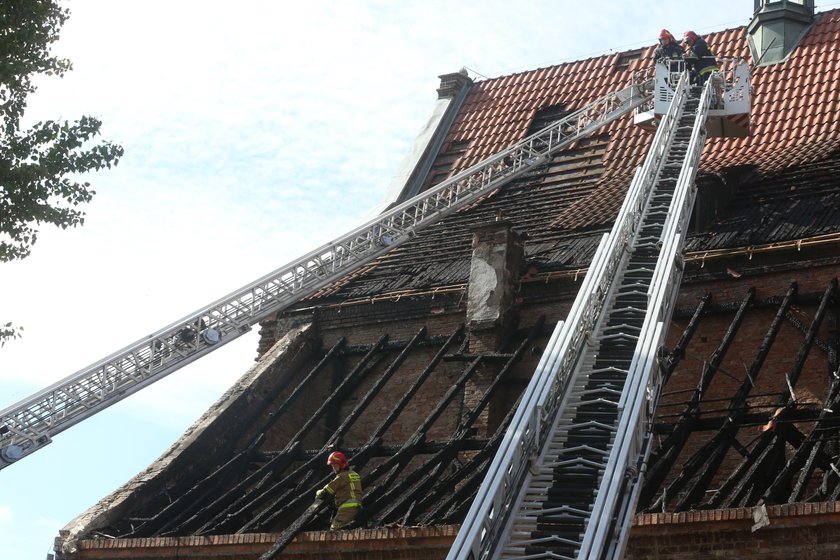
x,y
565,480
31,423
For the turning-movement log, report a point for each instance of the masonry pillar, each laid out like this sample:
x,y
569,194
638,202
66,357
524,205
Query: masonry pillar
x,y
497,257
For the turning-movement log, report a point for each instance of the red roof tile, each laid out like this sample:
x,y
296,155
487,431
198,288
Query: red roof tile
x,y
794,106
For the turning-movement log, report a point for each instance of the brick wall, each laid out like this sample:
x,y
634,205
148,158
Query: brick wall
x,y
401,543
659,536
794,531
798,531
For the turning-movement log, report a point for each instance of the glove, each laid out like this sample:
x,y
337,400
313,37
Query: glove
x,y
320,495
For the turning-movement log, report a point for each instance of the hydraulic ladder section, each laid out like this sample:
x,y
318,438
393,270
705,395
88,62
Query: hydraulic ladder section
x,y
31,423
565,480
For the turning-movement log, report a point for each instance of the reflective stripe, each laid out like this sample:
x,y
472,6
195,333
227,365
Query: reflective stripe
x,y
354,478
350,504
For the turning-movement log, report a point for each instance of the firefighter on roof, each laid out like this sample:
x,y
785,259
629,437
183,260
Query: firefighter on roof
x,y
345,489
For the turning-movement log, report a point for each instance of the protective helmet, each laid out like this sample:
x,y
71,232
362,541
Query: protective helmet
x,y
690,37
666,36
337,458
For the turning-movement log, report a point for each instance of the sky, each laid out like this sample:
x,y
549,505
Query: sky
x,y
254,132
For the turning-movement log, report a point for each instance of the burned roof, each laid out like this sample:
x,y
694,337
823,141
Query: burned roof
x,y
395,383
791,154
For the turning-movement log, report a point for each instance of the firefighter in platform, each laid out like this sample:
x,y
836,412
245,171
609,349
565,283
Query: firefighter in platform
x,y
668,47
345,489
699,58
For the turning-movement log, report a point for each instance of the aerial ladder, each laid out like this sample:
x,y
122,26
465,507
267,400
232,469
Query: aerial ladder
x,y
31,423
565,480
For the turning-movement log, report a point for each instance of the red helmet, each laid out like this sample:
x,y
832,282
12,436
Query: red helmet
x,y
690,37
337,458
666,36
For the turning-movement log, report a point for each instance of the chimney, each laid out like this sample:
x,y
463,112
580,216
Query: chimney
x,y
494,279
452,84
777,27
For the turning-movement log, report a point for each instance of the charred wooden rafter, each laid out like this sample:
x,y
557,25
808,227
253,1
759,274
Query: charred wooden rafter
x,y
255,485
677,354
663,459
757,472
712,454
304,492
399,500
278,493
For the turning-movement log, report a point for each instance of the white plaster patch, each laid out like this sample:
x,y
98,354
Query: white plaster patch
x,y
483,284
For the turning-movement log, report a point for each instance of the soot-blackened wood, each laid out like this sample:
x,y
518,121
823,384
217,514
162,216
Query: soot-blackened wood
x,y
232,494
746,482
278,492
192,500
292,531
232,517
395,504
460,485
301,388
206,513
806,455
391,468
336,438
402,496
771,462
467,478
307,486
197,523
740,473
810,338
678,352
383,449
712,454
663,459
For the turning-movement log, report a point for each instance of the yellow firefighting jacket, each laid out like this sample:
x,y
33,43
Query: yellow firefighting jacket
x,y
345,488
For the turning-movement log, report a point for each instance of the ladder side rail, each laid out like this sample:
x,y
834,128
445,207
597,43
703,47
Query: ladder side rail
x,y
527,433
677,221
632,443
153,357
619,491
504,479
290,277
668,272
521,441
480,529
505,470
651,169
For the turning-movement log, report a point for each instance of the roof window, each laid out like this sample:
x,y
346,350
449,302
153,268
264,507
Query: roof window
x,y
624,59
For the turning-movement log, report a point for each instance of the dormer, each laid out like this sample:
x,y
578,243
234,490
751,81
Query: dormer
x,y
776,28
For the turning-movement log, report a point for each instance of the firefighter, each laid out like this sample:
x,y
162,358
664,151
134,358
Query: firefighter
x,y
345,489
668,47
699,58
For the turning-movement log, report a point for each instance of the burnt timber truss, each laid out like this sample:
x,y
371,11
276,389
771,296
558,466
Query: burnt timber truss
x,y
710,452
766,446
413,480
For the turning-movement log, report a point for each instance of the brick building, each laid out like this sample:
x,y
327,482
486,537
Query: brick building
x,y
414,364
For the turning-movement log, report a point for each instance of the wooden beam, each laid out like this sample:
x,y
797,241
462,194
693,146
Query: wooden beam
x,y
663,459
712,454
753,477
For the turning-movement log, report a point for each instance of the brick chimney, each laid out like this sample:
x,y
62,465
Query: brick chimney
x,y
451,84
497,258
